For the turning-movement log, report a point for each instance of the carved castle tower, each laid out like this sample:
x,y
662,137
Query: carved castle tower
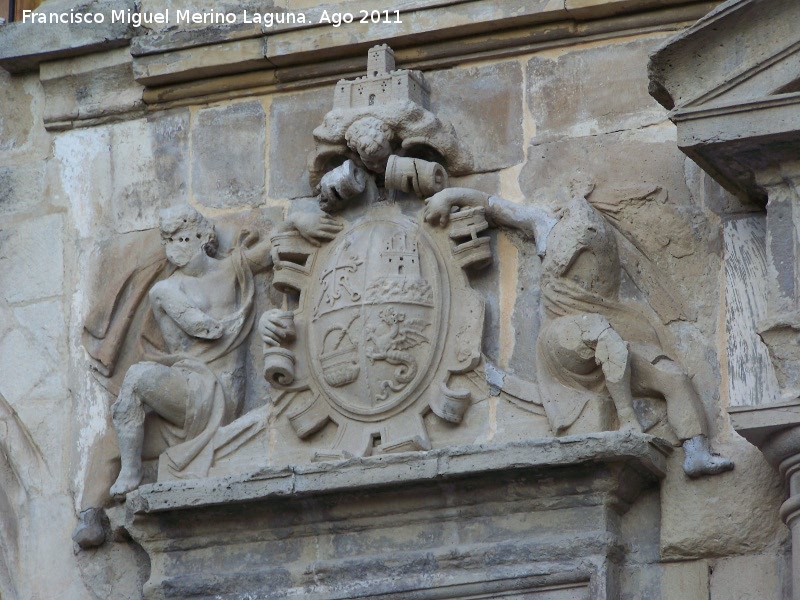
x,y
400,257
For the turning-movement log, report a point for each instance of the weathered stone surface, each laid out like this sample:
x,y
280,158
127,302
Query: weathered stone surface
x,y
687,67
23,46
21,188
656,162
86,196
25,368
749,496
17,126
292,118
751,380
685,581
149,168
200,62
228,150
534,499
517,420
35,248
596,90
488,116
736,112
44,323
759,577
485,182
648,453
89,87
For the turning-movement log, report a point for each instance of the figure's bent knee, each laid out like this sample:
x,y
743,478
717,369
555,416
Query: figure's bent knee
x,y
138,375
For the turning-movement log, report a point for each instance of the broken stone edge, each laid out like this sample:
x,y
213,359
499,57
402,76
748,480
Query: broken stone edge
x,y
24,46
646,454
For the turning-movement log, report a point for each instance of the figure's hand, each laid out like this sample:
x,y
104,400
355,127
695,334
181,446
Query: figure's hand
x,y
315,226
439,206
276,326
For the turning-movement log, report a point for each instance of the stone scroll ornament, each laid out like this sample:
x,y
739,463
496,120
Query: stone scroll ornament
x,y
387,327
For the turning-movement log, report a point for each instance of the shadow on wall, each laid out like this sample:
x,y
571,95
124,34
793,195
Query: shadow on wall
x,y
22,472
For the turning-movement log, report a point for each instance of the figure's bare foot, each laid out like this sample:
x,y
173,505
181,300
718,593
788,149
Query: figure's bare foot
x,y
90,532
701,461
126,482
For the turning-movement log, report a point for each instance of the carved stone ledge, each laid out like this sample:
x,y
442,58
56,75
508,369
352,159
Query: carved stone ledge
x,y
430,35
24,46
775,430
534,517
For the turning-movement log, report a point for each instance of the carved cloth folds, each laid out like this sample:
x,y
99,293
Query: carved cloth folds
x,y
564,393
211,404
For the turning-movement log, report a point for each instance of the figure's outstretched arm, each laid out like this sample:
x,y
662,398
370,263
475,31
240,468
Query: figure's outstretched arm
x,y
530,221
174,303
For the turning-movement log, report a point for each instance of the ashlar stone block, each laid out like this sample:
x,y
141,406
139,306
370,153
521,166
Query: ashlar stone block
x,y
753,577
82,172
21,188
593,90
150,168
609,161
292,118
36,251
15,125
228,149
489,113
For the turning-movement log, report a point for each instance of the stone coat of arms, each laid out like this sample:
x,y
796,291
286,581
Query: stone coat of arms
x,y
386,326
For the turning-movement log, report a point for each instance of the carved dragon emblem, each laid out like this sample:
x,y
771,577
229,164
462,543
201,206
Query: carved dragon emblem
x,y
391,344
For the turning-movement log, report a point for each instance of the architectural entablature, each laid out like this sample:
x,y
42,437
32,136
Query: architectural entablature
x,y
737,108
159,66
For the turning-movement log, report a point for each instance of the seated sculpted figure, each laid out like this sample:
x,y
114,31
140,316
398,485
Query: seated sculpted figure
x,y
205,312
591,344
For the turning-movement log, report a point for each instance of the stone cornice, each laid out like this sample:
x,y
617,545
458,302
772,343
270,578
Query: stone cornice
x,y
182,67
424,22
645,454
731,81
24,46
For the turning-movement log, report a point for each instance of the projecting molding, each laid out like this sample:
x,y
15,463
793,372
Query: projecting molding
x,y
163,68
24,46
732,81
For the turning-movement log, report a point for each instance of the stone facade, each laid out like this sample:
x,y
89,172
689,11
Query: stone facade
x,y
487,300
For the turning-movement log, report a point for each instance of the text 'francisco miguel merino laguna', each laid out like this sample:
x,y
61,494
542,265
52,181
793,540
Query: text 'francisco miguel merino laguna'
x,y
178,17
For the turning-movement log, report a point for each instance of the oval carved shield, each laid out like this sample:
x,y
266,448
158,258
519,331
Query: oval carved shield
x,y
375,313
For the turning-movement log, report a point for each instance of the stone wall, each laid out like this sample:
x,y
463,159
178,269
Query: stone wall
x,y
90,155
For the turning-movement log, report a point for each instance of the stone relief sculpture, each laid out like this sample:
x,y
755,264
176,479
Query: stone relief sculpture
x,y
592,344
201,312
204,311
375,342
380,325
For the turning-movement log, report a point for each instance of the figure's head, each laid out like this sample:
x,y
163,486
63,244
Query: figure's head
x,y
184,233
371,138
